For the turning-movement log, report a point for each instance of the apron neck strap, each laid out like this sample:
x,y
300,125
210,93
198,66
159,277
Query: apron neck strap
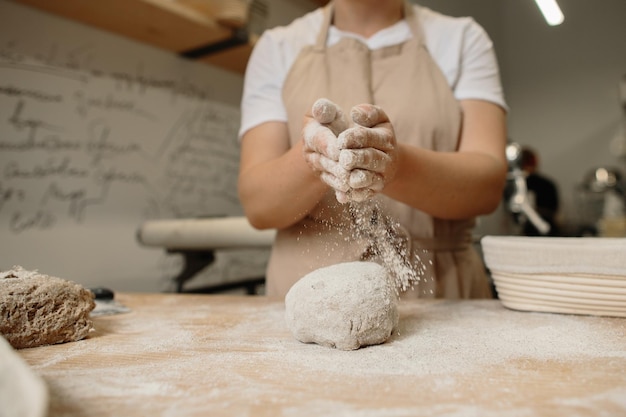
x,y
322,36
409,16
413,21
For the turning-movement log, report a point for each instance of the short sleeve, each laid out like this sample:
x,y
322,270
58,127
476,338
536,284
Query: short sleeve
x,y
479,75
261,100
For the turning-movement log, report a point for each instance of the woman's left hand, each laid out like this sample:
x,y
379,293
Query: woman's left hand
x,y
368,151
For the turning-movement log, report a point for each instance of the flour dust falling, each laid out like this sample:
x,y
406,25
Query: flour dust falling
x,y
388,241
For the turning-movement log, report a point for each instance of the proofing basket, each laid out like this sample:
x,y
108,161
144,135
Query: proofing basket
x,y
582,275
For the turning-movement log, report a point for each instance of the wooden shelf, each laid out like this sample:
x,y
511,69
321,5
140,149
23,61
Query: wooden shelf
x,y
172,25
209,29
234,58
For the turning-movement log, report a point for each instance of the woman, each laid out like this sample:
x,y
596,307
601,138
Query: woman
x,y
426,89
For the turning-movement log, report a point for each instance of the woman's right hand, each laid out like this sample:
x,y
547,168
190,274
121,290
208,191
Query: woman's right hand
x,y
321,147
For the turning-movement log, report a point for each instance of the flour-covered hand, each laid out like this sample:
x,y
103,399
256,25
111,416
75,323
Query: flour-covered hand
x,y
330,115
321,147
368,151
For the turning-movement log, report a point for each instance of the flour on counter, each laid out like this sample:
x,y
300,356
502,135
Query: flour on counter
x,y
243,359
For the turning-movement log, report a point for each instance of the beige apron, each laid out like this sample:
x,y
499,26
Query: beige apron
x,y
405,82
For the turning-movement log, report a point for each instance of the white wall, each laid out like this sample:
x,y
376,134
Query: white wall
x,y
147,135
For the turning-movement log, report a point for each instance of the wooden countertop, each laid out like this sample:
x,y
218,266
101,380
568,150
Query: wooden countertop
x,y
199,355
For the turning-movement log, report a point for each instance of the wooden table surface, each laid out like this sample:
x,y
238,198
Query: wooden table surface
x,y
203,355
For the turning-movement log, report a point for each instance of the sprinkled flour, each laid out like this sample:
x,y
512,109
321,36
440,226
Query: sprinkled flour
x,y
235,356
388,242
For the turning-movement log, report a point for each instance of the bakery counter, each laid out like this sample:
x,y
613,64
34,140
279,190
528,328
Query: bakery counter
x,y
199,355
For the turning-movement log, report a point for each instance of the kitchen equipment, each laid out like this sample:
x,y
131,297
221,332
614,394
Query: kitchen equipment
x,y
517,192
197,240
600,199
583,275
204,233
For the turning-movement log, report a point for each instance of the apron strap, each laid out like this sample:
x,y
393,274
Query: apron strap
x,y
413,22
322,36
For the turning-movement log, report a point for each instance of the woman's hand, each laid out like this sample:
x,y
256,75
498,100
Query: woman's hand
x,y
368,152
356,162
321,146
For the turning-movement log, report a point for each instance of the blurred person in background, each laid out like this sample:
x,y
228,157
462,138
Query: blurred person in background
x,y
543,194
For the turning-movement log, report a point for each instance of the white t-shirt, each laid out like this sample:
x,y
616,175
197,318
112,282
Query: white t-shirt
x,y
460,47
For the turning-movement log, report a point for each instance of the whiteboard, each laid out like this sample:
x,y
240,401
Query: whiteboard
x,y
99,133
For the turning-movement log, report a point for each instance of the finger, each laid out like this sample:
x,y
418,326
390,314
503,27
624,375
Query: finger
x,y
369,159
342,197
330,114
320,163
360,195
324,110
334,182
320,139
360,178
379,137
366,179
378,183
313,160
368,115
333,168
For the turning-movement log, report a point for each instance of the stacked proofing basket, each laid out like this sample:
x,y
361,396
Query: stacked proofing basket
x,y
584,275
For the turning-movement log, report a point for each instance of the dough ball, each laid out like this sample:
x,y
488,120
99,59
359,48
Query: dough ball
x,y
345,306
38,309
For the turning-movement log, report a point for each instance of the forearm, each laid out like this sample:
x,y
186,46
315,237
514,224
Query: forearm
x,y
448,185
278,192
461,184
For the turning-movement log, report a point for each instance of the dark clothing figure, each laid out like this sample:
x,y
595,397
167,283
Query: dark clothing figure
x,y
545,195
542,193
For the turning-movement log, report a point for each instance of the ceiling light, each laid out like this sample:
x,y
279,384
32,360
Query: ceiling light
x,y
551,11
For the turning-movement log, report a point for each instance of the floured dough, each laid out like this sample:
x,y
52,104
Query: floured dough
x,y
347,306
